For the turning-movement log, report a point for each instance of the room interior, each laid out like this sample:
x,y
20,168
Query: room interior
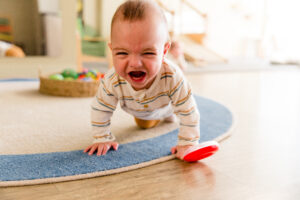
x,y
242,54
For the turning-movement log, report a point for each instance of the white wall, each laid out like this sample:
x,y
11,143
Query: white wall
x,y
249,28
233,26
108,8
49,6
53,34
281,39
90,14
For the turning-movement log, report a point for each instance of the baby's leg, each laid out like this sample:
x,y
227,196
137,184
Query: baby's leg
x,y
146,123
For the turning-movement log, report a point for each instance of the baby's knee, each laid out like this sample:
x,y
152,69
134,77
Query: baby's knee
x,y
145,124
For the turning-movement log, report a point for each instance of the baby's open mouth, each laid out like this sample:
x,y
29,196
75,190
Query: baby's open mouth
x,y
137,75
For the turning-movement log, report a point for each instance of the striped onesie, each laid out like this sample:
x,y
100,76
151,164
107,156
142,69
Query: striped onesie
x,y
169,93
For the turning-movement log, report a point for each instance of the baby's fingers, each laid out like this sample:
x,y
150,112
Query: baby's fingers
x,y
87,149
115,145
174,150
105,149
100,149
93,149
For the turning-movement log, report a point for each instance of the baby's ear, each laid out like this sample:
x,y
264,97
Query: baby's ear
x,y
166,47
109,45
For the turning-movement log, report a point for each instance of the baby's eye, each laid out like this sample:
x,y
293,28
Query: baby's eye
x,y
121,53
149,53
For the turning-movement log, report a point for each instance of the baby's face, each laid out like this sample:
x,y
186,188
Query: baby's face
x,y
138,49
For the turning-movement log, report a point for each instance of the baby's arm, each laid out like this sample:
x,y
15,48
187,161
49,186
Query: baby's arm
x,y
103,138
189,131
102,108
186,109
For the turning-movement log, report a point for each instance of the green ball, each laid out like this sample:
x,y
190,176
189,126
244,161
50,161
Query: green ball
x,y
89,74
70,73
94,72
56,77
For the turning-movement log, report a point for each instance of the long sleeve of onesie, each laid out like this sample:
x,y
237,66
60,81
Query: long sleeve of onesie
x,y
102,108
185,108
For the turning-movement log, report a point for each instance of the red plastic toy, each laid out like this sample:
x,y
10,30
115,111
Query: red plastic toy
x,y
201,151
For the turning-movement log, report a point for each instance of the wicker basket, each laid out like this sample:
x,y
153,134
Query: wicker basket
x,y
69,88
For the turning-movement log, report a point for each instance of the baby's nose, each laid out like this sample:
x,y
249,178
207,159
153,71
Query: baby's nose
x,y
135,61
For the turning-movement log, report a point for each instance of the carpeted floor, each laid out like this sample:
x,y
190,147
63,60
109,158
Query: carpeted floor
x,y
36,123
42,137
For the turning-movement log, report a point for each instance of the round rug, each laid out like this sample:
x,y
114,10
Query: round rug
x,y
40,136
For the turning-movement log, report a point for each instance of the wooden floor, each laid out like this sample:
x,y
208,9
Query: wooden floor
x,y
260,161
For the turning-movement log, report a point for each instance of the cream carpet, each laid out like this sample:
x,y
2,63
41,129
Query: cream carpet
x,y
35,123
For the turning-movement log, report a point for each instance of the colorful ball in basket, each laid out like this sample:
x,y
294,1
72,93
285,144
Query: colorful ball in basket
x,y
56,77
70,73
69,83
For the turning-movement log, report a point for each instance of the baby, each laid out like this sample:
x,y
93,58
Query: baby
x,y
145,84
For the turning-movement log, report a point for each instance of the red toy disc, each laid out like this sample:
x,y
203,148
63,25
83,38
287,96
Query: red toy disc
x,y
201,151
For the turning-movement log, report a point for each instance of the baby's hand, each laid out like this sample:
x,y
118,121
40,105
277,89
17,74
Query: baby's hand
x,y
101,148
179,151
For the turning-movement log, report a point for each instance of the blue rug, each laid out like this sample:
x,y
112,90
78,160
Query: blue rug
x,y
216,121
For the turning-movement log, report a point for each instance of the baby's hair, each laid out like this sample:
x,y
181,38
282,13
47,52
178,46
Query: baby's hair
x,y
133,10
